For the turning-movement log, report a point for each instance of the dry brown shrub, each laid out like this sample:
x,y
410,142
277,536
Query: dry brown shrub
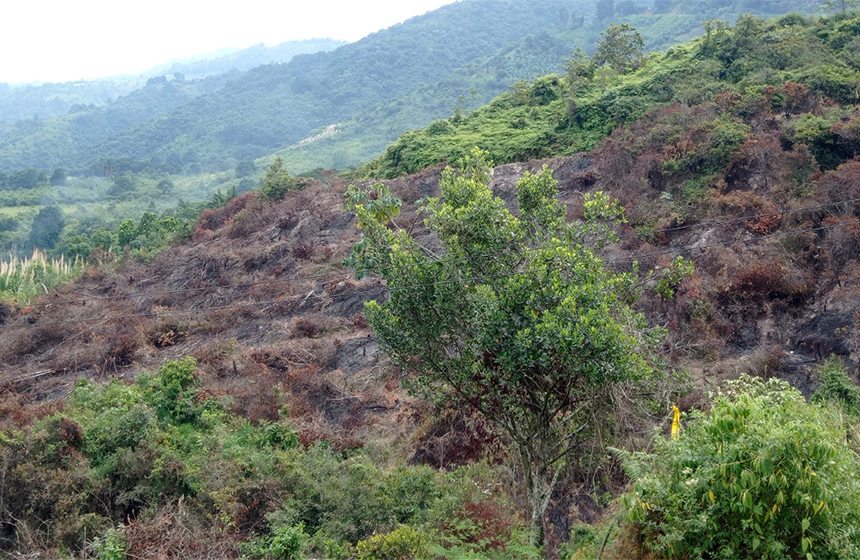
x,y
18,411
766,361
758,280
842,187
847,133
119,346
305,250
456,437
175,533
339,440
842,241
308,326
212,219
255,217
799,99
18,343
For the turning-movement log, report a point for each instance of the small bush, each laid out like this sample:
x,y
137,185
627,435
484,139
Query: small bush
x,y
762,474
305,250
111,546
285,543
404,543
835,387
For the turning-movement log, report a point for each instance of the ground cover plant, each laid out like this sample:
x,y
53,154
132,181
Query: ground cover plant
x,y
120,460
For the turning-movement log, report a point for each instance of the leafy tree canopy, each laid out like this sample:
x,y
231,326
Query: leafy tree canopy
x,y
47,227
277,181
517,317
620,47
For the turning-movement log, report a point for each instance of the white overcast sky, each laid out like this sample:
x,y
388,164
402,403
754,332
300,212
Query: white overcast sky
x,y
65,40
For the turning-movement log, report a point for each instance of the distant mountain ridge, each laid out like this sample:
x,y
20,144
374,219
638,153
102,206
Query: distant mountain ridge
x,y
225,60
49,100
455,58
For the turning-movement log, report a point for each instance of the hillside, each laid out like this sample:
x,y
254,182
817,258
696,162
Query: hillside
x,y
479,82
270,107
51,143
211,64
372,90
738,152
555,115
21,102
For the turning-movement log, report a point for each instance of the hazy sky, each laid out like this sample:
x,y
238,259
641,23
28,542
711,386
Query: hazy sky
x,y
64,40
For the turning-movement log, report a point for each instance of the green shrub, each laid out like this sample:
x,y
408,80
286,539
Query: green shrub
x,y
835,387
285,543
404,543
277,182
111,546
170,392
762,474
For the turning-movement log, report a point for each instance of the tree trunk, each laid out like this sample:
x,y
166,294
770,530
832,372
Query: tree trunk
x,y
539,486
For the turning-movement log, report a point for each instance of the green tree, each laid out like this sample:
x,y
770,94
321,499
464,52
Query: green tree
x,y
126,232
58,177
27,178
277,181
122,184
47,227
77,245
166,186
563,17
836,387
580,71
620,47
245,167
517,318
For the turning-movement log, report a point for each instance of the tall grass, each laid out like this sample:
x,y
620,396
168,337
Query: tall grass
x,y
21,280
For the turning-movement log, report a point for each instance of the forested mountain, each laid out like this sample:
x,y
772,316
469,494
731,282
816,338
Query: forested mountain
x,y
50,143
219,62
371,91
44,101
555,115
577,26
273,106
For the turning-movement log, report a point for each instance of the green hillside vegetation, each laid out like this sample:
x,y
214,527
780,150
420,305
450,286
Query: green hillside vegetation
x,y
375,89
223,122
257,489
476,84
22,102
274,106
49,143
558,115
202,66
93,208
